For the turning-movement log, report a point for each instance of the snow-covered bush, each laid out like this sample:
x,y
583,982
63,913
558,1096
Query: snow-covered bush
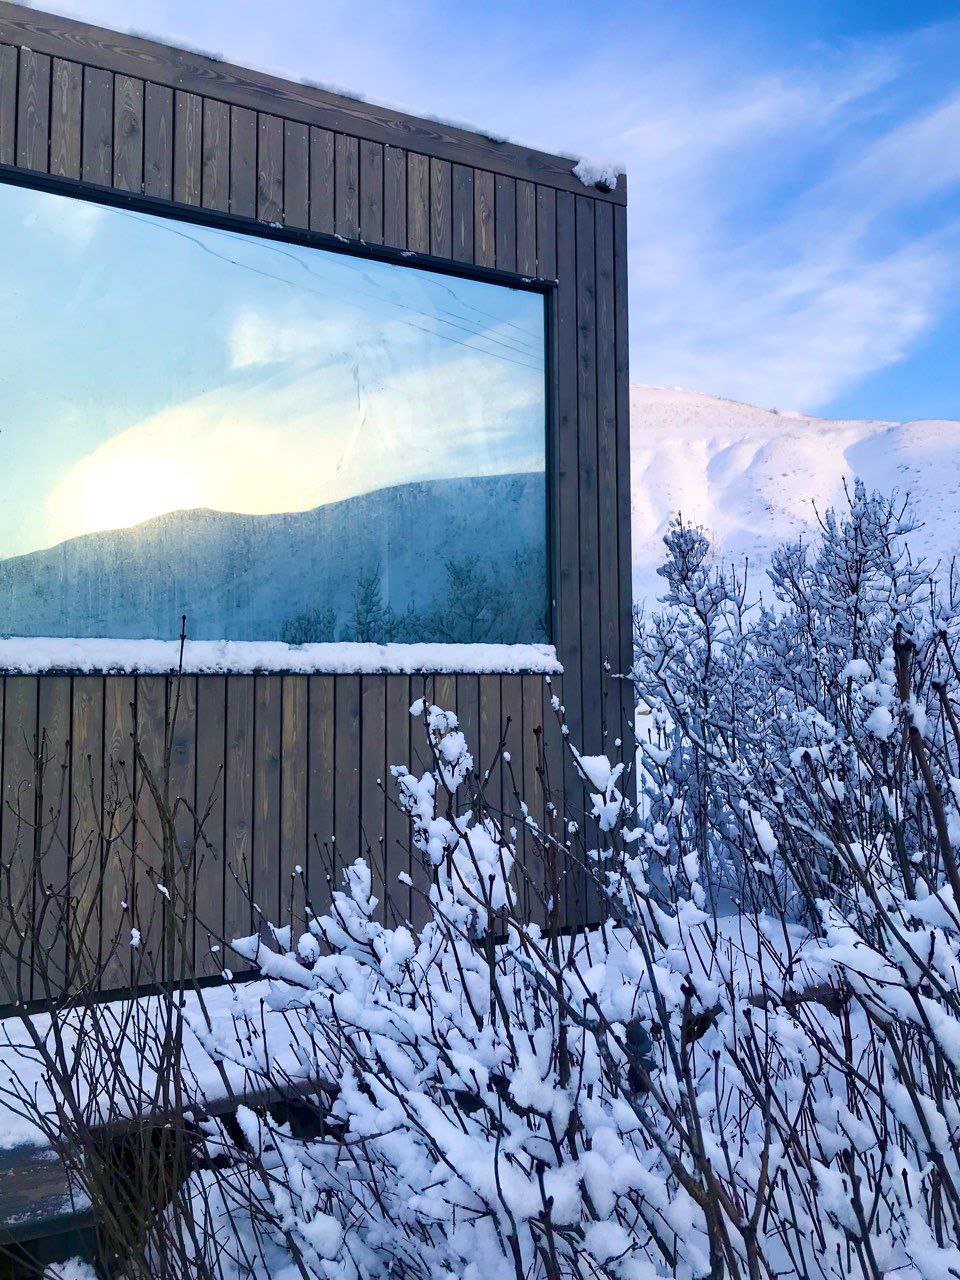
x,y
753,1068
750,1069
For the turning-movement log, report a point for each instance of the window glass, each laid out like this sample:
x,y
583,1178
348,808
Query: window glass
x,y
280,442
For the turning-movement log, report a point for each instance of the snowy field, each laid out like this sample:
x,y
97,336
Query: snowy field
x,y
751,476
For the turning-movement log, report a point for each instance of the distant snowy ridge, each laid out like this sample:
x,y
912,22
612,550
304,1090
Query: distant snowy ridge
x,y
752,476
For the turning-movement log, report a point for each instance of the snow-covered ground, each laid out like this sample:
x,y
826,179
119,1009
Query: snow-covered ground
x,y
751,476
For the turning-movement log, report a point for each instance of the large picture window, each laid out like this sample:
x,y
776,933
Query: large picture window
x,y
278,441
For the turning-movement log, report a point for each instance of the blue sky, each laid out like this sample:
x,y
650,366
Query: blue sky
x,y
794,167
302,377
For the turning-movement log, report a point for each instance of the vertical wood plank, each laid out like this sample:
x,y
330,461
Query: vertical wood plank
x,y
321,771
608,509
624,550
243,162
346,810
511,716
270,169
418,202
546,233
97,143
266,797
33,111
182,700
293,800
371,192
441,208
66,100
468,713
372,769
421,759
215,156
296,174
397,826
128,133
395,197
566,504
531,699
484,211
322,179
347,187
506,222
187,148
526,228
158,141
19,844
462,213
211,734
86,851
8,103
590,603
119,709
53,808
488,765
146,903
238,811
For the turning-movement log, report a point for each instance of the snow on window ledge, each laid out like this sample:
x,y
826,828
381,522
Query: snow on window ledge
x,y
35,655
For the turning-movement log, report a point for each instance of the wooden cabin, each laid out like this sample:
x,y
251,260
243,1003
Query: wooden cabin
x,y
469,293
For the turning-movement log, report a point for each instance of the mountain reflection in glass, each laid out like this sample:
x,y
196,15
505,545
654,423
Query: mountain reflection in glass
x,y
280,442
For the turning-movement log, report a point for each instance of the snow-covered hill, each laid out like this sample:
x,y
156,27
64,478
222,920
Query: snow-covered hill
x,y
751,475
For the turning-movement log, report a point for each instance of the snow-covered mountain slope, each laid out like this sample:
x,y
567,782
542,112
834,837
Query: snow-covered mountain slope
x,y
751,476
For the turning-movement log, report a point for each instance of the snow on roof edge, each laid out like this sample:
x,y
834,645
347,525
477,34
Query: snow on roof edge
x,y
607,172
43,655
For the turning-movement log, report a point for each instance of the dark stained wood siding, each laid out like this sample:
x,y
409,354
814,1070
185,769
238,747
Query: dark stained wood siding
x,y
287,772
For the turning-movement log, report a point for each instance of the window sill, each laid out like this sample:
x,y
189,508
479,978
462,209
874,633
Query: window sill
x,y
35,656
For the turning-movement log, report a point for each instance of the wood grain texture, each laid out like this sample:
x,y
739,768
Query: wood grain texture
x,y
321,769
215,156
66,99
294,785
441,208
395,197
146,903
268,725
97,141
322,180
347,198
158,141
526,228
128,106
371,192
243,162
484,219
505,235
461,249
270,169
19,844
33,111
187,148
210,871
397,826
118,868
296,174
54,697
9,60
238,810
418,203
